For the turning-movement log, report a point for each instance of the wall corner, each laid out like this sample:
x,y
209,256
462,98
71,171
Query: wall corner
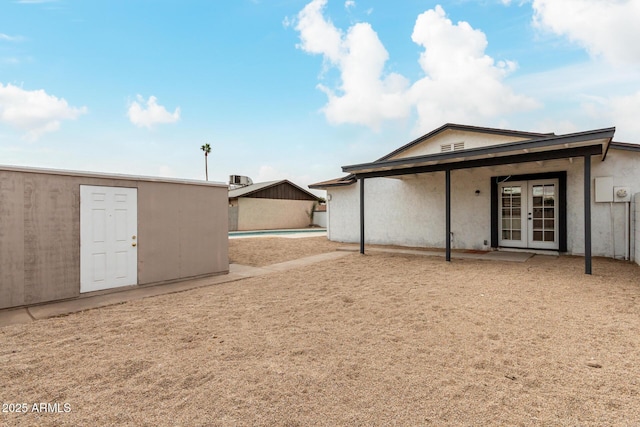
x,y
635,229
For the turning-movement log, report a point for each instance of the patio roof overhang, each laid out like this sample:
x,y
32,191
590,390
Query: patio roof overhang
x,y
595,142
583,144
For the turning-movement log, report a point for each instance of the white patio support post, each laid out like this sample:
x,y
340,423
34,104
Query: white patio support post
x,y
587,213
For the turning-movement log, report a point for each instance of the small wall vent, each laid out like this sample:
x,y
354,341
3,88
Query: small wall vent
x,y
445,148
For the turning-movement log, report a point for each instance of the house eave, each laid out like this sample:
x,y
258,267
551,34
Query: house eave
x,y
568,145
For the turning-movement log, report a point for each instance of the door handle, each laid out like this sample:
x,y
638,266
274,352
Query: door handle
x,y
134,244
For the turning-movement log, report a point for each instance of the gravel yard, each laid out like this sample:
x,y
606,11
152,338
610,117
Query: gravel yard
x,y
381,339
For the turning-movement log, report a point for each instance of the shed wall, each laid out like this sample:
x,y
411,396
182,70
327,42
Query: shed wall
x,y
182,231
40,233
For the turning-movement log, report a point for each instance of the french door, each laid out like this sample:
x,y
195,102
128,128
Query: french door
x,y
528,214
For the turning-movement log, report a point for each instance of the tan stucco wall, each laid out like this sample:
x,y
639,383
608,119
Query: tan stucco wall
x,y
411,211
182,231
40,233
470,139
636,226
271,214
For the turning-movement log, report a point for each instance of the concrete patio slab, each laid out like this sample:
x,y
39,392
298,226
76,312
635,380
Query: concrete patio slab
x,y
492,255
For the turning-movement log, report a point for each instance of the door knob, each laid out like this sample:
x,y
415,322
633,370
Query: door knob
x,y
133,244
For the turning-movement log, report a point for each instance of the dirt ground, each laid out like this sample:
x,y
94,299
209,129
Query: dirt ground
x,y
379,339
262,251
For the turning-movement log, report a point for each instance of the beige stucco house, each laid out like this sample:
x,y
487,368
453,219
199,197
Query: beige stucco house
x,y
269,206
468,187
65,235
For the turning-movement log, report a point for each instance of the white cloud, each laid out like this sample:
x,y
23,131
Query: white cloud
x,y
365,96
269,173
349,4
618,111
10,61
153,114
605,28
9,38
461,82
624,113
35,112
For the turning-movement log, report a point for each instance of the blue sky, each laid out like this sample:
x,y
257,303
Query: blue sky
x,y
295,89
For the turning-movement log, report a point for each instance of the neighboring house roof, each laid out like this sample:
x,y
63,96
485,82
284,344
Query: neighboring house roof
x,y
283,189
533,142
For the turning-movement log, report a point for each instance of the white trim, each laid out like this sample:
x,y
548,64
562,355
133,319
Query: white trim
x,y
63,172
526,210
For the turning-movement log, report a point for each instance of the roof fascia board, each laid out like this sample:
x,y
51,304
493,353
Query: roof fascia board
x,y
502,148
335,184
491,161
112,176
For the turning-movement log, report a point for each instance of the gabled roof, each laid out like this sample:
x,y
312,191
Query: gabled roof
x,y
466,128
533,142
270,189
540,148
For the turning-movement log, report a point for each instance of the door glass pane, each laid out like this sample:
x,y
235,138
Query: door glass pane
x,y
543,213
511,199
537,202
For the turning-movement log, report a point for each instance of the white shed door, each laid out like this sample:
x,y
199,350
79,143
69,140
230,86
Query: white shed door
x,y
108,237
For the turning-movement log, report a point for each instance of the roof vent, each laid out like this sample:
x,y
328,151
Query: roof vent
x,y
445,148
